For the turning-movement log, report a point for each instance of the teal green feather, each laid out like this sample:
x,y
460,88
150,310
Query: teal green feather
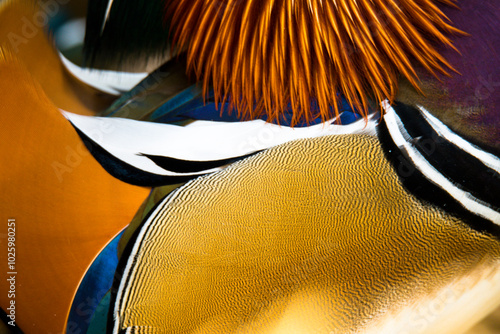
x,y
98,323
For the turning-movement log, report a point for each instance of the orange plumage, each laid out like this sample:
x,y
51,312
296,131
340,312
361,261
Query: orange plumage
x,y
261,55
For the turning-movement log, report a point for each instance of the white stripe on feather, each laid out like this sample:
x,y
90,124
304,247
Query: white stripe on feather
x,y
469,202
106,15
111,82
122,293
486,158
199,141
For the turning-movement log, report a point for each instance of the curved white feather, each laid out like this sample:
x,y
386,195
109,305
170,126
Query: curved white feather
x,y
129,140
111,82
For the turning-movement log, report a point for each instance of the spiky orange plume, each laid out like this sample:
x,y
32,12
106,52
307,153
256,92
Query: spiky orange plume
x,y
261,55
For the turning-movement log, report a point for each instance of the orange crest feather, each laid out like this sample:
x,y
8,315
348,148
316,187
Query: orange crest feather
x,y
261,55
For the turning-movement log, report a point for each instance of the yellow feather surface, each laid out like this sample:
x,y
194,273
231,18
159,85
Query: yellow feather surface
x,y
313,236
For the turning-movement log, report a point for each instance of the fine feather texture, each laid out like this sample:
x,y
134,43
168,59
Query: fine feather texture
x,y
313,236
262,55
125,35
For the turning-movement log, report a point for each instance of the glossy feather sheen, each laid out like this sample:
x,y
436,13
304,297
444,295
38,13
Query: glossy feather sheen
x,y
262,55
126,35
313,236
22,33
49,185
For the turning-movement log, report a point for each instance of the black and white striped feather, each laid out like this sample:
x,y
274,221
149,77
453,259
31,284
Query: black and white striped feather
x,y
153,154
442,167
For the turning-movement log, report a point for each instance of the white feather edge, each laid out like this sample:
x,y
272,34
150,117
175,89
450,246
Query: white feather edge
x,y
126,139
110,82
130,270
400,137
486,158
106,15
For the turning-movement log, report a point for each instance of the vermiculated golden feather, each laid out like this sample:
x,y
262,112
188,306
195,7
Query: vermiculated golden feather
x,y
312,236
261,55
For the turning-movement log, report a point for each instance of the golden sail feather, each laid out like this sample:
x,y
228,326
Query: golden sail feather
x,y
264,56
